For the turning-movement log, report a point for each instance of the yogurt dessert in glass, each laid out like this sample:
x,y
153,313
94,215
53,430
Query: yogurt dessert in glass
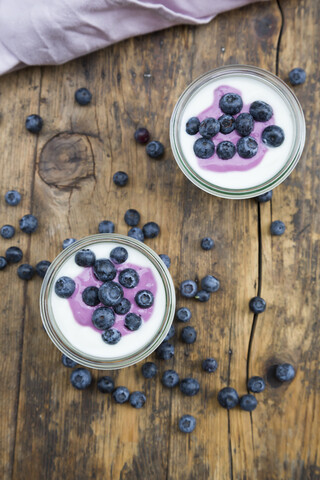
x,y
107,301
237,131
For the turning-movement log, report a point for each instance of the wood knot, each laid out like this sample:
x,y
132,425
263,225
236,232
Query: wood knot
x,y
265,27
66,159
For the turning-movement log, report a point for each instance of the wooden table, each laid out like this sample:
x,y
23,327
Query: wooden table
x,y
51,431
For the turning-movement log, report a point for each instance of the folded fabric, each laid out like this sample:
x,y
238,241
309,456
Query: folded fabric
x,y
37,32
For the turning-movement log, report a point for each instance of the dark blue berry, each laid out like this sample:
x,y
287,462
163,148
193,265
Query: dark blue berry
x,y
257,305
165,351
261,111
248,402
34,123
170,378
256,384
132,321
106,226
188,335
104,270
244,124
132,217
297,76
64,287
210,284
226,150
273,136
285,372
110,294
231,103
203,148
119,254
111,336
141,135
247,147
90,296
209,127
188,288
209,365
137,399
149,370
137,233
67,362
265,197
67,242
123,307
129,278
277,228
85,258
202,296
192,125
166,259
228,398
83,96
12,198
207,243
7,231
144,298
13,254
80,378
227,124
105,384
155,149
151,230
170,334
25,271
120,179
183,314
187,424
3,263
28,223
189,386
121,395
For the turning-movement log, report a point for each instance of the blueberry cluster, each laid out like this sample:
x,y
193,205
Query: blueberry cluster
x,y
154,149
209,284
231,120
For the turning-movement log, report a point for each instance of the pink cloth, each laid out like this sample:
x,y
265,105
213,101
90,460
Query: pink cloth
x,y
49,32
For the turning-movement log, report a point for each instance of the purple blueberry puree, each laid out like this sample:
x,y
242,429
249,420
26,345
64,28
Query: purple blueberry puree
x,y
82,313
236,163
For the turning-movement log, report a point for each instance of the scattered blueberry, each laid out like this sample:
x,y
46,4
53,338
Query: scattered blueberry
x,y
137,233
166,259
104,270
277,228
119,255
105,384
183,314
209,365
192,125
141,135
151,230
106,226
129,278
67,362
228,398
248,402
265,197
28,223
110,293
3,263
149,370
203,148
257,305
132,217
83,96
273,136
285,372
188,288
297,76
123,307
202,296
64,287
207,243
34,123
155,149
90,296
132,321
165,351
188,335
170,378
244,124
7,231
80,378
12,198
67,242
187,424
226,150
227,124
256,384
210,284
14,254
121,394
120,179
189,386
25,271
209,127
261,111
85,258
247,147
170,334
111,336
231,103
137,399
144,298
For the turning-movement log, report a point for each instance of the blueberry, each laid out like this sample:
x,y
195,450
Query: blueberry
x,y
183,314
170,378
110,294
67,362
137,399
285,372
132,321
105,384
166,259
106,226
25,271
7,231
209,365
121,395
210,284
188,288
297,76
228,398
273,136
90,296
203,148
226,150
141,135
244,124
132,217
64,287
85,258
247,147
227,124
137,233
144,298
151,230
256,384
187,424
231,103
119,255
277,228
34,123
165,351
209,127
188,335
149,370
129,278
83,96
248,402
12,198
3,263
123,307
155,149
202,296
192,125
120,179
104,270
111,336
28,223
257,305
14,254
265,197
170,334
207,243
80,378
67,242
261,111
189,386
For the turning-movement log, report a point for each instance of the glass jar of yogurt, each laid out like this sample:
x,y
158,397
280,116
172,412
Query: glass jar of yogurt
x,y
239,176
119,324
